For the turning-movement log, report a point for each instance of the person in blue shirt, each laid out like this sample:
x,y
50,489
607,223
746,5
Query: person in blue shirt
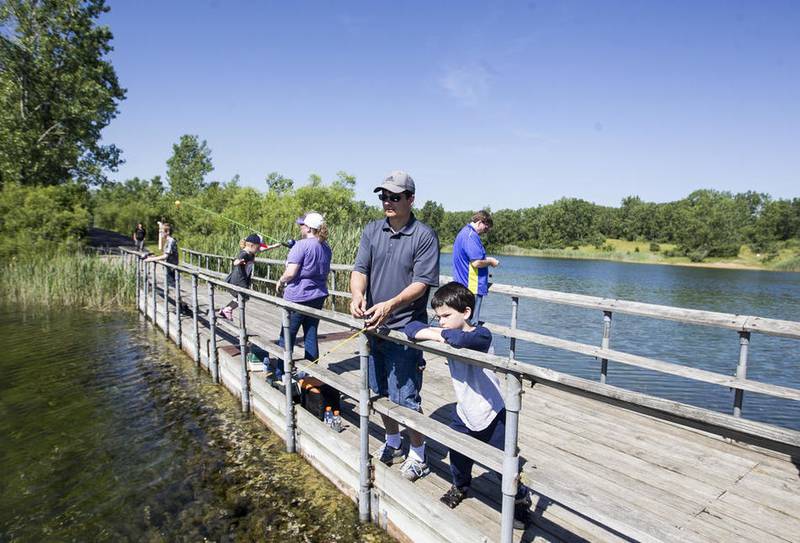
x,y
480,409
470,263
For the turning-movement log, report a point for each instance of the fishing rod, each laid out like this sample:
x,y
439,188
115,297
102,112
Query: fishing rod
x,y
264,247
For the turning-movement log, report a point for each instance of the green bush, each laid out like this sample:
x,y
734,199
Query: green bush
x,y
41,220
654,247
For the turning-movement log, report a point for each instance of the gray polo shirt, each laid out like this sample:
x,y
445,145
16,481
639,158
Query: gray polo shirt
x,y
393,260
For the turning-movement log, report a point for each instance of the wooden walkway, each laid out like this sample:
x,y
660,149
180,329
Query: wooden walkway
x,y
599,472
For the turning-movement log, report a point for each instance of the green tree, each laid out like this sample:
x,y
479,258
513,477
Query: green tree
x,y
57,92
279,184
188,166
42,219
432,214
567,221
711,224
345,180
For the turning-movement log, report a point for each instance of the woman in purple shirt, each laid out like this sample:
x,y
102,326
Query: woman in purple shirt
x,y
305,280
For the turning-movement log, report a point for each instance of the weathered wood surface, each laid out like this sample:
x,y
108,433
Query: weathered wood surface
x,y
599,472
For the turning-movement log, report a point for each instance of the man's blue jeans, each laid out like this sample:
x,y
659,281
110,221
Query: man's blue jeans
x,y
309,324
476,313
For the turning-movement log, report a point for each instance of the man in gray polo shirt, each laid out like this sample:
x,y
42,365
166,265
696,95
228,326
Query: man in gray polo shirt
x,y
397,263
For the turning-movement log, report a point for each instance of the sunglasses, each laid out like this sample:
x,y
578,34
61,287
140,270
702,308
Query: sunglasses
x,y
391,197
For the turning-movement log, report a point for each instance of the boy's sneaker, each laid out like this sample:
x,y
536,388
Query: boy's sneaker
x,y
412,469
522,508
389,455
454,496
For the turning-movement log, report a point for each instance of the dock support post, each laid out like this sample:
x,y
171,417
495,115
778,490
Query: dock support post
x,y
136,270
287,380
145,281
364,467
510,456
155,294
179,327
604,344
741,372
166,301
512,342
213,361
195,323
245,384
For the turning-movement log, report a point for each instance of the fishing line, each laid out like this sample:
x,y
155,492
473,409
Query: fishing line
x,y
334,348
178,204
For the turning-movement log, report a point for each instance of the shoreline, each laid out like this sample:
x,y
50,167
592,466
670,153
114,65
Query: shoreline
x,y
566,254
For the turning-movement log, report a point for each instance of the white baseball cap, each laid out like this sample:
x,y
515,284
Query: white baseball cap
x,y
312,220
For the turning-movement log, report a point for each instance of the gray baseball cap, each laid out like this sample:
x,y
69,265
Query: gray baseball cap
x,y
397,181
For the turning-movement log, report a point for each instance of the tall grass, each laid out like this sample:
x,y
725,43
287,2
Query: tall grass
x,y
791,265
63,280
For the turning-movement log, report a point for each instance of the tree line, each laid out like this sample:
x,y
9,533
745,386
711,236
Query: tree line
x,y
706,223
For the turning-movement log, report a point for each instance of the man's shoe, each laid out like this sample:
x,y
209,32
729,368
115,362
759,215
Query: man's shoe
x,y
412,469
389,455
454,496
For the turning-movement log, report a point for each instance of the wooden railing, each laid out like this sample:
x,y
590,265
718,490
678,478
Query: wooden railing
x,y
507,461
744,325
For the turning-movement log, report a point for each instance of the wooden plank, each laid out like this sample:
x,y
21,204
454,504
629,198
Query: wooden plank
x,y
711,527
783,496
760,517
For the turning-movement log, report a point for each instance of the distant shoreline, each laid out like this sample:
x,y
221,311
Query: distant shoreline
x,y
629,257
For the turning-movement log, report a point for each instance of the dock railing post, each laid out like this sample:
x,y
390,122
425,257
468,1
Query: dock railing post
x,y
364,466
604,344
155,294
287,380
136,269
195,322
179,327
245,384
510,456
145,281
741,372
166,301
512,342
213,361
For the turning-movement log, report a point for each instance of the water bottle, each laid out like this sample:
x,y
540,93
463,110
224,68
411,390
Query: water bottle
x,y
328,415
336,423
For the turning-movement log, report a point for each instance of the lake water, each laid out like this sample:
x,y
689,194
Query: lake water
x,y
765,294
109,433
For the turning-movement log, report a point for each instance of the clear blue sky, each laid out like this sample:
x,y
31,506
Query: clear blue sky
x,y
500,104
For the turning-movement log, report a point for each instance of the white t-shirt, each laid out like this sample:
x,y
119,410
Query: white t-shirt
x,y
477,389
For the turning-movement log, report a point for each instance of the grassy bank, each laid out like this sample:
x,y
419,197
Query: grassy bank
x,y
786,259
63,280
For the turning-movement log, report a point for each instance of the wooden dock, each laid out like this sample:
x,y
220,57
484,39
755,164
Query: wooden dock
x,y
604,464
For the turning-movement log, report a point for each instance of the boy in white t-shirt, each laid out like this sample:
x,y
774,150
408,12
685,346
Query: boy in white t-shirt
x,y
480,409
